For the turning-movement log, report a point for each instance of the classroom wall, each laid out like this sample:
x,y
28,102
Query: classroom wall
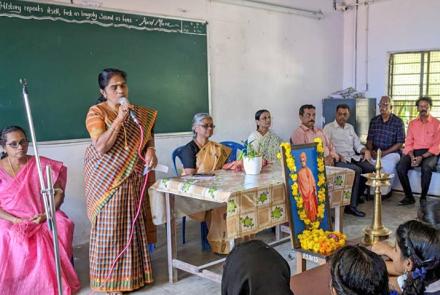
x,y
393,26
258,59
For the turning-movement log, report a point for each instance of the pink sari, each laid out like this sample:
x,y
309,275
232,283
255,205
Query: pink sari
x,y
27,265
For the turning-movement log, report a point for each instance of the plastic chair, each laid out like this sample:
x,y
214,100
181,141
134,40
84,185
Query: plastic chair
x,y
235,146
175,154
203,225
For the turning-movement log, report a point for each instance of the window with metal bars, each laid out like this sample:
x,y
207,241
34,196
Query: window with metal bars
x,y
412,75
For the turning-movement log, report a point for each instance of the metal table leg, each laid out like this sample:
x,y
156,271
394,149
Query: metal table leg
x,y
171,237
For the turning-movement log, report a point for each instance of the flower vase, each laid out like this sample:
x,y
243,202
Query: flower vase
x,y
252,165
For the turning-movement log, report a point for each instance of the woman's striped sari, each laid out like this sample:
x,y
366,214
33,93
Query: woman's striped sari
x,y
112,185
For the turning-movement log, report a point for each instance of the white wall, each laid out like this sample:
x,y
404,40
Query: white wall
x,y
393,26
258,59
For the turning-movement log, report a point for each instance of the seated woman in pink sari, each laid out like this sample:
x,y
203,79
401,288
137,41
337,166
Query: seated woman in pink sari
x,y
27,264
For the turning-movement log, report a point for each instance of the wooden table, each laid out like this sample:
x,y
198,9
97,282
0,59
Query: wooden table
x,y
315,281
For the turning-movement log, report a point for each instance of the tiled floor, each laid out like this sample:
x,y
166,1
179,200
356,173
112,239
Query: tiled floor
x,y
392,216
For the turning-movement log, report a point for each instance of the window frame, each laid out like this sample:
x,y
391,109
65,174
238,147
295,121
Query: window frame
x,y
407,107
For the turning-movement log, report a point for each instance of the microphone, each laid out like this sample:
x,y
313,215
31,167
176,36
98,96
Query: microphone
x,y
124,101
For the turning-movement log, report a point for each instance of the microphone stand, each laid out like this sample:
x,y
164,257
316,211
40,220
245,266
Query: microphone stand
x,y
47,190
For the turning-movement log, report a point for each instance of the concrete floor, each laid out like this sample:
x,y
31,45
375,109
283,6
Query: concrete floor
x,y
392,216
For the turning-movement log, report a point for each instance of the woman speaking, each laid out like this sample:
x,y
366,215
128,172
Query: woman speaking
x,y
113,180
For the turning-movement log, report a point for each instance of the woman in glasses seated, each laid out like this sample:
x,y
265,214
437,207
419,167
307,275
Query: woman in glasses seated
x,y
263,139
27,265
201,155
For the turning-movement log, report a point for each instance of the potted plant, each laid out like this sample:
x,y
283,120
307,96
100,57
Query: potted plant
x,y
252,159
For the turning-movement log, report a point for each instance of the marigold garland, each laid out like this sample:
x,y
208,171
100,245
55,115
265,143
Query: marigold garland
x,y
313,238
320,241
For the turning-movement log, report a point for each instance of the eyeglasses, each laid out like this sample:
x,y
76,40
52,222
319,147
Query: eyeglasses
x,y
206,126
15,144
384,105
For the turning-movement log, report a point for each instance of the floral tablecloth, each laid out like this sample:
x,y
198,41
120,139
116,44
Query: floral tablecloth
x,y
339,184
254,202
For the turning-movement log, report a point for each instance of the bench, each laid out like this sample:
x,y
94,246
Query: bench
x,y
414,179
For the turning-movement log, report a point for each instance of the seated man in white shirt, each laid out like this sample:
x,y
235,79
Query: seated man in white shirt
x,y
352,154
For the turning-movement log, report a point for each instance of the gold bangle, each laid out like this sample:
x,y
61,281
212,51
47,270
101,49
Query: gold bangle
x,y
58,190
151,147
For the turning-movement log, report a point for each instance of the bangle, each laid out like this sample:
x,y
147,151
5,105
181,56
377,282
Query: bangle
x,y
151,147
60,190
114,127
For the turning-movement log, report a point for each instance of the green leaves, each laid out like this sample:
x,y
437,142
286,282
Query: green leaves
x,y
249,151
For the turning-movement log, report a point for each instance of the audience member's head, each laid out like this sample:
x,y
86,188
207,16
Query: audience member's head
x,y
418,245
385,106
342,113
307,115
202,125
424,105
263,119
358,271
429,212
426,99
255,268
12,146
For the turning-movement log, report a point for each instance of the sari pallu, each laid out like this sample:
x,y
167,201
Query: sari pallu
x,y
112,185
212,156
27,264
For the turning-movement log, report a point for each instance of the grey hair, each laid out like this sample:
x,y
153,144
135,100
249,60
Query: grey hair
x,y
198,119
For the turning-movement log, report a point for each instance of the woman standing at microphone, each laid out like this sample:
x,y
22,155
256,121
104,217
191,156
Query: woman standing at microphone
x,y
113,181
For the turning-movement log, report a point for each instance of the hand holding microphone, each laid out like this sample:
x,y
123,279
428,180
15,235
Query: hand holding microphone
x,y
122,113
125,109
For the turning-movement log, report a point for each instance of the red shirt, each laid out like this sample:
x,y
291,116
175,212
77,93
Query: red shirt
x,y
423,135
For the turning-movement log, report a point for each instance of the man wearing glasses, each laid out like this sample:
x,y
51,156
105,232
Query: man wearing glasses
x,y
386,132
422,149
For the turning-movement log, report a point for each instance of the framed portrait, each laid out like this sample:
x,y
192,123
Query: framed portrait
x,y
306,188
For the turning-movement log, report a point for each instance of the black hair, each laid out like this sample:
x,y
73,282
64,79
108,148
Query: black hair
x,y
104,78
305,106
259,113
424,98
356,270
429,212
419,242
342,106
4,132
